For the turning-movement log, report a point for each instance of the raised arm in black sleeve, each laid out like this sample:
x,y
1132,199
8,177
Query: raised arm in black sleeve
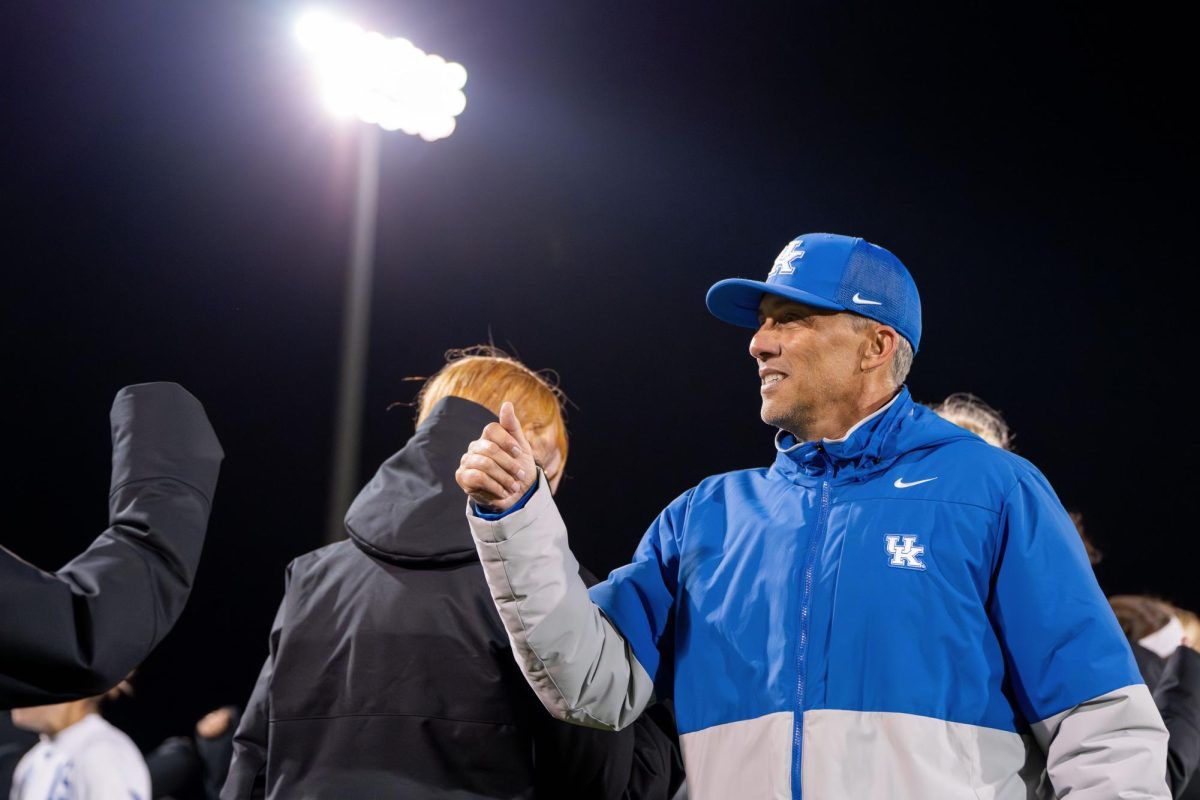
x,y
79,631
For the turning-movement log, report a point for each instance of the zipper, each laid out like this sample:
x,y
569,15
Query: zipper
x,y
802,647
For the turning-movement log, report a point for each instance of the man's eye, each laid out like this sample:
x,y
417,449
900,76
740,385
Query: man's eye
x,y
782,319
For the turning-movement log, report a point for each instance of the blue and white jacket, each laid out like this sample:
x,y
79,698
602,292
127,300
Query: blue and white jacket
x,y
906,612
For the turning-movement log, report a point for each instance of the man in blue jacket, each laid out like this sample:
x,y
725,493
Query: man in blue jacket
x,y
894,609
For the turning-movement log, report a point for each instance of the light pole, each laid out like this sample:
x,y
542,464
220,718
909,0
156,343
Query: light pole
x,y
392,86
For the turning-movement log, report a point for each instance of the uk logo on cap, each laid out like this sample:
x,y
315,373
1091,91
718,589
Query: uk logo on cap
x,y
826,270
785,264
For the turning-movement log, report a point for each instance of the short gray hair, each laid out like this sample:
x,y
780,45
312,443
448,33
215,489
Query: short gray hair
x,y
902,359
902,362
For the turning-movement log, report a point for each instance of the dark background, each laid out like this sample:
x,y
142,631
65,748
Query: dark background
x,y
176,206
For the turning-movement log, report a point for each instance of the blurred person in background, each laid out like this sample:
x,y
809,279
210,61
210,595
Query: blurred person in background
x,y
390,674
181,768
1191,626
1171,667
14,744
80,756
1150,625
970,412
196,766
79,631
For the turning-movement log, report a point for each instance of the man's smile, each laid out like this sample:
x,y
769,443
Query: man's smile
x,y
769,378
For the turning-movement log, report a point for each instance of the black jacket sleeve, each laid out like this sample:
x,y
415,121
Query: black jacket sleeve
x,y
657,771
247,776
577,762
79,631
1177,696
174,767
641,762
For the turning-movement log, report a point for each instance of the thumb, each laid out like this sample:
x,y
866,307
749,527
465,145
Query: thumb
x,y
510,423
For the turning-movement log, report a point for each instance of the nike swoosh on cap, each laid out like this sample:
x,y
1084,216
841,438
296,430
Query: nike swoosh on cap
x,y
862,302
900,484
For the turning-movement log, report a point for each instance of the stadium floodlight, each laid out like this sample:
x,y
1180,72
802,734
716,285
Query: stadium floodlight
x,y
386,82
394,86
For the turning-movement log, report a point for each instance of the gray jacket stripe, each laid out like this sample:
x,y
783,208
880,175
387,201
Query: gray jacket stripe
x,y
1112,745
581,668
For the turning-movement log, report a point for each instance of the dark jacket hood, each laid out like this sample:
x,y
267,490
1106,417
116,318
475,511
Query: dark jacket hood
x,y
413,512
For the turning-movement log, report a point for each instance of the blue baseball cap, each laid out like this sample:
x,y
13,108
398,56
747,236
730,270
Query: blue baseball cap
x,y
840,273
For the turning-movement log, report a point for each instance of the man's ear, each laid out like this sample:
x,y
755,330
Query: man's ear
x,y
882,342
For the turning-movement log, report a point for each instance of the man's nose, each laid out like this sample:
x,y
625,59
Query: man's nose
x,y
764,343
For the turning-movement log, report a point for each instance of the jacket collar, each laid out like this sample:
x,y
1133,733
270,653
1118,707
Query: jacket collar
x,y
864,449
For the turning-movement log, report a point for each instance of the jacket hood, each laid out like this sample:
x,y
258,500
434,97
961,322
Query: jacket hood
x,y
411,512
871,446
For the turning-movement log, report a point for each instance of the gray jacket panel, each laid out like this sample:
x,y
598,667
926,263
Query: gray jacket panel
x,y
581,668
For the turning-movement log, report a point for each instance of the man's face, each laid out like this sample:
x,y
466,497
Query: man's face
x,y
808,360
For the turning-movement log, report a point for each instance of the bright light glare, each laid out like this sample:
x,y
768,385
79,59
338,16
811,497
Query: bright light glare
x,y
386,82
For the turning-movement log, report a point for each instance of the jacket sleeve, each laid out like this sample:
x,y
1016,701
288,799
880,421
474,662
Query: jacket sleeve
x,y
79,631
1177,695
247,776
587,667
1071,670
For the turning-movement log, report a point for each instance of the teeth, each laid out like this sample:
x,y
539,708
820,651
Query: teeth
x,y
773,378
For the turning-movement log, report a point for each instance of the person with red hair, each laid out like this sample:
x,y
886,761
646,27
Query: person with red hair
x,y
390,673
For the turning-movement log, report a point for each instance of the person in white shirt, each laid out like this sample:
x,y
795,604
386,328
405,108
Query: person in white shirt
x,y
80,756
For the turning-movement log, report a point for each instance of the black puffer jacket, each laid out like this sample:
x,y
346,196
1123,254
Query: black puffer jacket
x,y
1175,684
390,674
79,631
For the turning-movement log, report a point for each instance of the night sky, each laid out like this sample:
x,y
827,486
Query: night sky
x,y
176,206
